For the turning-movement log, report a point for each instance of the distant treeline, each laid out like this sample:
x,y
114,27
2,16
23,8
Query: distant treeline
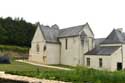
x,y
16,31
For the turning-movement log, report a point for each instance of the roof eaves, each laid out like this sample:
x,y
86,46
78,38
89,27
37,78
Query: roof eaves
x,y
68,36
97,54
94,49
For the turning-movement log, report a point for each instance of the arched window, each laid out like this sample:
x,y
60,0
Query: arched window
x,y
37,48
66,43
44,48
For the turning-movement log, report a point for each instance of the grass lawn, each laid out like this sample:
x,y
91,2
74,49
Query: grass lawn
x,y
19,66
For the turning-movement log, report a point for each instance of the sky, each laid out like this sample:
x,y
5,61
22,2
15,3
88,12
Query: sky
x,y
102,15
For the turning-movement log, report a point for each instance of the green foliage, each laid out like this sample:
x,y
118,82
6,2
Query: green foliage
x,y
79,75
16,31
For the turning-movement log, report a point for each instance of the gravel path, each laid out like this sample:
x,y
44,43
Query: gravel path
x,y
30,79
43,65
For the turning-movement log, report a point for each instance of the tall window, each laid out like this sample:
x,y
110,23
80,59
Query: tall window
x,y
66,43
88,61
100,62
37,48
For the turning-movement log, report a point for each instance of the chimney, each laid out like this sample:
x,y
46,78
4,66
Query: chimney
x,y
120,29
55,26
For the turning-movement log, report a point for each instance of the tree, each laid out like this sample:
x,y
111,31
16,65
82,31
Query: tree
x,y
16,32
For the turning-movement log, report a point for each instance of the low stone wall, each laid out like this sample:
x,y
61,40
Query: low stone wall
x,y
25,79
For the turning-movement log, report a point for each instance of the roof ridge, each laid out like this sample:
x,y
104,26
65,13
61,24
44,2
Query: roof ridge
x,y
75,26
71,31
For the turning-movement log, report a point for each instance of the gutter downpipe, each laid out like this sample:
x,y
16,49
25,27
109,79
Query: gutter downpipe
x,y
122,54
79,50
60,53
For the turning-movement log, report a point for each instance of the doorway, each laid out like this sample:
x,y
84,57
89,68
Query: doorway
x,y
119,66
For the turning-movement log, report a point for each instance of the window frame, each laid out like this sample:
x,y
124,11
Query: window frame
x,y
100,62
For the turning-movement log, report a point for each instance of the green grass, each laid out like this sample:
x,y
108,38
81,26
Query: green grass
x,y
14,48
19,66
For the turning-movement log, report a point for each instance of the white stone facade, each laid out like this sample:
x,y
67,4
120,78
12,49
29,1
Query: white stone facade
x,y
75,47
58,53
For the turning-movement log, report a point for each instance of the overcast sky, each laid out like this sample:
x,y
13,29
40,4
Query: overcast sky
x,y
102,15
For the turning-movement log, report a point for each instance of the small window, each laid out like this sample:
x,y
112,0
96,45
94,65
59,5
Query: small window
x,y
66,47
100,62
92,43
37,48
88,61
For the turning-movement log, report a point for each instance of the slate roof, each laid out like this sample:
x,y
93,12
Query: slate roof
x,y
115,37
72,31
98,41
51,34
106,50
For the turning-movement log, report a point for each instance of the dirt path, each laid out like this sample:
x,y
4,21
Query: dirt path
x,y
43,65
27,79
